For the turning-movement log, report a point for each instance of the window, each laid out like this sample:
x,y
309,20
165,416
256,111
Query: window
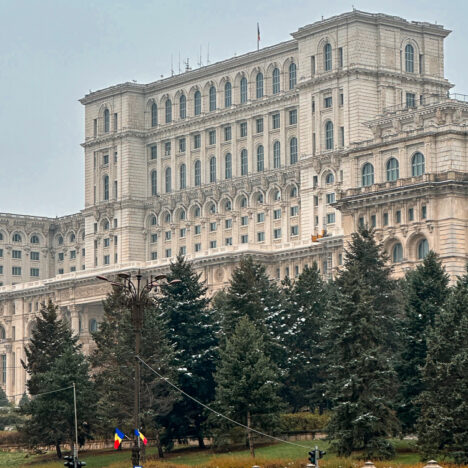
x,y
16,254
154,220
196,141
212,98
1,269
423,249
410,100
197,247
153,152
411,214
373,220
244,220
197,229
1,253
342,136
277,233
60,270
293,117
243,202
212,244
212,169
213,226
105,159
34,272
329,135
330,198
181,145
275,121
34,239
183,176
168,111
197,103
260,217
115,189
259,85
243,90
398,216
183,250
361,221
385,219
116,122
312,65
228,223
1,236
154,183
417,164
228,166
393,171
244,238
313,105
167,148
106,260
182,106
330,218
154,114
340,57
167,218
330,178
277,195
60,256
260,236
260,159
293,193
106,187
212,137
106,121
292,76
327,57
276,155
228,94
243,129
183,232
16,271
168,253
294,230
409,58
73,252
95,127
244,162
168,180
367,174
168,235
259,125
328,102
277,214
276,81
293,150
154,238
197,173
423,212
341,99
227,133
294,210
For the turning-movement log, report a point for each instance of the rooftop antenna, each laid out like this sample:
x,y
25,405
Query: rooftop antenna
x,y
208,54
200,63
172,65
187,65
179,61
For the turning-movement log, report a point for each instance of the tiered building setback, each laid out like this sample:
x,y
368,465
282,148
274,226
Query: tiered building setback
x,y
280,154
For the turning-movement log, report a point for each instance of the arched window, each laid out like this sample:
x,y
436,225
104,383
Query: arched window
x,y
72,237
260,159
327,57
183,176
213,169
276,155
34,239
212,96
276,81
197,173
106,187
154,114
212,208
1,236
168,180
197,212
409,58
2,333
260,198
243,90
367,174
393,170
154,183
182,215
154,220
330,178
293,150
228,94
167,218
228,166
277,195
106,225
329,135
259,85
93,326
417,164
16,237
228,205
168,111
183,106
244,162
106,120
243,202
197,103
423,249
60,240
293,193
292,76
397,253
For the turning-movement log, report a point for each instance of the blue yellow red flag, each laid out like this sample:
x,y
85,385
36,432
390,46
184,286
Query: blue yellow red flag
x,y
141,436
119,435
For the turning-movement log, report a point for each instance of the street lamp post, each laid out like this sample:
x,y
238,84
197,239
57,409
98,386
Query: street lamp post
x,y
137,298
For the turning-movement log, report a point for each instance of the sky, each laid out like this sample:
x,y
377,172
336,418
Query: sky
x,y
53,52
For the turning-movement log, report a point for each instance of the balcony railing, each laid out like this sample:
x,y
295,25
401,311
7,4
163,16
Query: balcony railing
x,y
427,100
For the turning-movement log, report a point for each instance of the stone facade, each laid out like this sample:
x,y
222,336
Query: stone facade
x,y
279,153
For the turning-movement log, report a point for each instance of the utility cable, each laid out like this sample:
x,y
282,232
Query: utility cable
x,y
42,393
217,412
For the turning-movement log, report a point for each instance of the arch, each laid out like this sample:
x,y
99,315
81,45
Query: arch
x,y
329,178
397,252
292,190
154,114
367,174
194,210
329,135
227,94
293,150
274,194
106,120
243,89
259,85
182,176
197,103
72,237
105,224
105,185
34,239
197,173
59,239
210,208
151,220
292,73
327,57
168,113
393,170
260,158
212,98
16,237
276,155
168,180
213,169
228,166
180,213
244,162
276,81
182,106
257,198
417,164
241,201
225,205
409,58
154,182
422,248
165,217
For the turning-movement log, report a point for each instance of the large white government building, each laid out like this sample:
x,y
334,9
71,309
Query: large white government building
x,y
279,153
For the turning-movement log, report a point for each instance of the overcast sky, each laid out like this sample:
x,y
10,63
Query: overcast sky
x,y
53,52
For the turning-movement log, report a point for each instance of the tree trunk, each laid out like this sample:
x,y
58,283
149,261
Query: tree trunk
x,y
201,442
158,444
58,450
249,435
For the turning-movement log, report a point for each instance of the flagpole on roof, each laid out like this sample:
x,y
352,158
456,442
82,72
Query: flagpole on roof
x,y
258,36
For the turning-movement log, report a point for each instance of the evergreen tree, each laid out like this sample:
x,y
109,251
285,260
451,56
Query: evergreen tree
x,y
306,301
3,399
361,379
443,424
192,331
55,361
247,384
426,291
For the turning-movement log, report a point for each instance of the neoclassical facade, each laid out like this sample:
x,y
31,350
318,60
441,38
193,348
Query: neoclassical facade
x,y
279,153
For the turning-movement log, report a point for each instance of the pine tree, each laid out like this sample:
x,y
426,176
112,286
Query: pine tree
x,y
192,331
3,399
247,382
361,379
306,301
426,291
443,424
55,361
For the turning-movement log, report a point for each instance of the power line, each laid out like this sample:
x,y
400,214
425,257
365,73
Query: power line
x,y
42,393
217,412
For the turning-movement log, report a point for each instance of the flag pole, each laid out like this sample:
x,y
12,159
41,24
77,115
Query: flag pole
x,y
258,36
75,454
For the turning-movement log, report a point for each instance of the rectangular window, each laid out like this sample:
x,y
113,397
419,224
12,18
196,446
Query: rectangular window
x,y
410,100
361,221
167,148
294,210
16,254
340,57
294,230
115,222
228,223
116,122
328,102
275,121
293,117
228,241
181,145
423,212
411,214
1,252
35,256
421,63
244,239
115,157
341,99
330,218
312,65
398,216
277,214
154,255
168,253
330,198
244,220
277,233
197,229
342,136
95,127
212,137
83,252
316,200
115,189
373,221
60,270
260,217
154,238
260,236
196,141
259,125
183,250
385,219
106,259
213,226
227,133
316,221
286,271
197,247
183,232
313,106
4,368
34,272
105,159
213,244
116,256
243,129
73,253
1,269
95,228
168,235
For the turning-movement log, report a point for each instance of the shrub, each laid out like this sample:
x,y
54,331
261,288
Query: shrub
x,y
304,422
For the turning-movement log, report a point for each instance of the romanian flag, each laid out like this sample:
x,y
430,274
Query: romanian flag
x,y
118,438
141,436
